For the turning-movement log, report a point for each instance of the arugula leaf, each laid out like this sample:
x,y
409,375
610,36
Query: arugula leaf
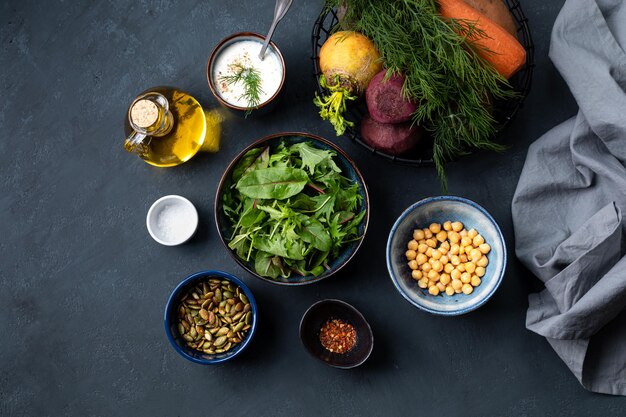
x,y
273,183
311,156
279,245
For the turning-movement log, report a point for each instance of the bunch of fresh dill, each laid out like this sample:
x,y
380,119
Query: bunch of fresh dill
x,y
250,77
444,73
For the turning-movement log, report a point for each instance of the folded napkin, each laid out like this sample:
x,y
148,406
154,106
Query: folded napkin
x,y
568,209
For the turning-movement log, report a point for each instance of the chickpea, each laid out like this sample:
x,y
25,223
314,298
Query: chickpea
x,y
433,275
445,279
436,255
472,233
429,252
435,228
410,255
465,241
426,267
480,271
443,251
483,261
441,287
455,260
475,281
447,226
445,245
421,248
454,249
456,274
421,259
463,233
413,264
457,226
461,267
444,260
437,266
418,234
449,290
427,234
463,258
433,290
461,250
454,237
442,236
423,283
484,248
431,243
417,274
470,267
478,240
431,283
467,289
475,254
456,284
448,268
412,245
466,277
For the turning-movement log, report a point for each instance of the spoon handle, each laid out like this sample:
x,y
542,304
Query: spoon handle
x,y
279,12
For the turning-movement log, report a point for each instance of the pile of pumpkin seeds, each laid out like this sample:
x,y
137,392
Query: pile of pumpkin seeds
x,y
214,316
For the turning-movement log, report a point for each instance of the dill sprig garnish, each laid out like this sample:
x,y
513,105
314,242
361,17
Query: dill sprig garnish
x,y
250,77
444,73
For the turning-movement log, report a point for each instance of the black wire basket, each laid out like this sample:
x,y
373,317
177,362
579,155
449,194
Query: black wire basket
x,y
504,111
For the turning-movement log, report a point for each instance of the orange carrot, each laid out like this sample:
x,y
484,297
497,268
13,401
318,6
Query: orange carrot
x,y
499,48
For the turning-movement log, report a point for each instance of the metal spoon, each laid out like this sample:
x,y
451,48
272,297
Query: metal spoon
x,y
279,12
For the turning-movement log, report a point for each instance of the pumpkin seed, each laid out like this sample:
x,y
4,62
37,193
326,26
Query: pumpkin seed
x,y
244,299
220,341
238,327
204,314
181,329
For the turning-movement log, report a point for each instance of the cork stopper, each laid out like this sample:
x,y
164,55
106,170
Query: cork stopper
x,y
144,113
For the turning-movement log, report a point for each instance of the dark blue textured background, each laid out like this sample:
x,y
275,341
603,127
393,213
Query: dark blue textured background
x,y
83,287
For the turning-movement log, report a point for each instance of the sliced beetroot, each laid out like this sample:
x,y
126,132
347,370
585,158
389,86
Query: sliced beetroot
x,y
384,99
394,139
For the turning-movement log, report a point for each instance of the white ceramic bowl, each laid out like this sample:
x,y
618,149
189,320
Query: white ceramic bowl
x,y
172,220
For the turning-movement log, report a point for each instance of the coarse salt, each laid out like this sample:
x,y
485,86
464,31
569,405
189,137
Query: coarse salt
x,y
175,222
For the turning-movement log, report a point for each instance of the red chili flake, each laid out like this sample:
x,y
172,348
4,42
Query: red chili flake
x,y
337,336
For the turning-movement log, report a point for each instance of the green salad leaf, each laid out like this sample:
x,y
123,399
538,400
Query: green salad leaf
x,y
291,210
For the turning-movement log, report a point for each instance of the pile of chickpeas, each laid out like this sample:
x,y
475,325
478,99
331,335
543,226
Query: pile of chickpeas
x,y
447,258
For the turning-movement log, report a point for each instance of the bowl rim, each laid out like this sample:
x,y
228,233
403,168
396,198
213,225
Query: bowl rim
x,y
395,279
173,299
214,54
349,306
257,143
160,202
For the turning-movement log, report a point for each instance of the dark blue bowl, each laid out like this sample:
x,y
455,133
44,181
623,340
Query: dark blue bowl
x,y
440,210
171,320
349,170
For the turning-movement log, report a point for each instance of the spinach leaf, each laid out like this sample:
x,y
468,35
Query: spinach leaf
x,y
273,183
256,158
315,233
268,265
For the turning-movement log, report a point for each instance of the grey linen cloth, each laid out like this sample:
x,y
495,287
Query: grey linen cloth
x,y
568,209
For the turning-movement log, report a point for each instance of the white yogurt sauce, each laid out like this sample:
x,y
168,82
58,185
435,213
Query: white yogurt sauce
x,y
246,53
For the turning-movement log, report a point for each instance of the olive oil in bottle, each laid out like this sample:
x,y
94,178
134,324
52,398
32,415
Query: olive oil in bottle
x,y
165,127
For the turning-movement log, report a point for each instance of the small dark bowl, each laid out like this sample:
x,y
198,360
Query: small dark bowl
x,y
348,168
264,107
171,321
322,311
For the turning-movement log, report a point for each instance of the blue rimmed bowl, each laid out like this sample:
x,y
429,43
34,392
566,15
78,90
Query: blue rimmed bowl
x,y
171,319
348,169
440,210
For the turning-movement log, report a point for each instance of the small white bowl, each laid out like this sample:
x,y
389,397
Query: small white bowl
x,y
172,220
